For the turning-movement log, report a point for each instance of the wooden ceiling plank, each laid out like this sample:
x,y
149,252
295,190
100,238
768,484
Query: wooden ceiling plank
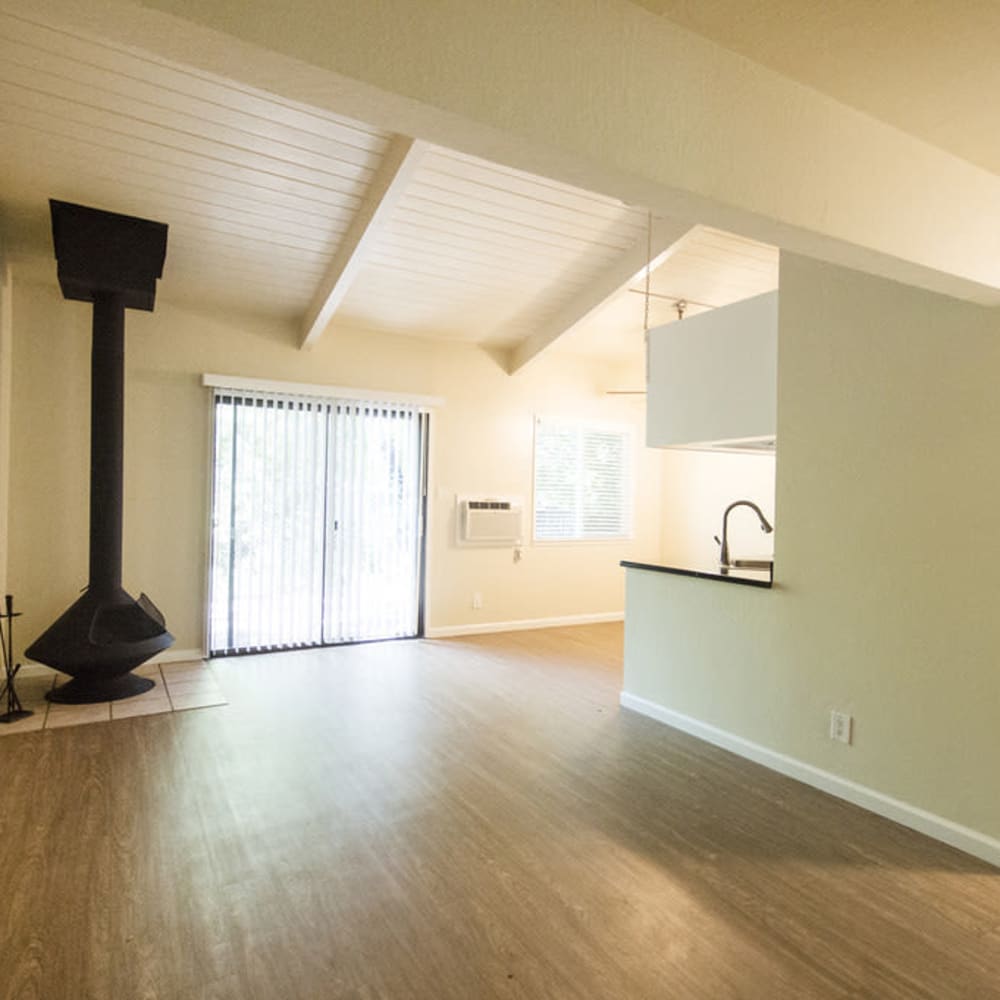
x,y
189,82
387,186
20,143
206,256
108,88
666,238
441,173
193,216
489,167
485,279
128,149
278,256
99,121
541,270
495,222
494,228
429,232
530,214
141,100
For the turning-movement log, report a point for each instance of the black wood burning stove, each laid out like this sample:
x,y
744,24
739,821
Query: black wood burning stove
x,y
114,262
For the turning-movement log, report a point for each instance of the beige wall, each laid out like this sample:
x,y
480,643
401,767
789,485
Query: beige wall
x,y
481,441
887,589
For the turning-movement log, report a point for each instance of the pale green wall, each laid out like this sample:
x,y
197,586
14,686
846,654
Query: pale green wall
x,y
888,590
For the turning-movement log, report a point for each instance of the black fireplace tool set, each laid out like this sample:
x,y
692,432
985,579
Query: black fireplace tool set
x,y
14,709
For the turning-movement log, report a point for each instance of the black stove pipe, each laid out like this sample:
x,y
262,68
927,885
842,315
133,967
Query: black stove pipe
x,y
107,442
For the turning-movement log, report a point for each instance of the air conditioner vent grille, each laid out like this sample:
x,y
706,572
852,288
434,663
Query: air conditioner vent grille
x,y
489,521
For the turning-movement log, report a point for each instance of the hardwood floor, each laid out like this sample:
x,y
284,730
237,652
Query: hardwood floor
x,y
456,820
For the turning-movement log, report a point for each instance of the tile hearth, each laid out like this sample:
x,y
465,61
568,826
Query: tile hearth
x,y
179,687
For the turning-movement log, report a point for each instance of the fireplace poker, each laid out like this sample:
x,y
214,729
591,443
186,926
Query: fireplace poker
x,y
15,710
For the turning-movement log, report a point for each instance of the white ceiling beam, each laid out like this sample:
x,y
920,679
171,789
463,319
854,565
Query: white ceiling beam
x,y
391,178
665,239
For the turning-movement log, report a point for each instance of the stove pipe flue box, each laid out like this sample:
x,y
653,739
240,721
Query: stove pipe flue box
x,y
99,251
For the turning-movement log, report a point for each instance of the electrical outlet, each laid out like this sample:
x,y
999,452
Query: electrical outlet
x,y
841,727
477,600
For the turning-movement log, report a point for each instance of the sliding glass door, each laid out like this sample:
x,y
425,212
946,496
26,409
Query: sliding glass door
x,y
317,521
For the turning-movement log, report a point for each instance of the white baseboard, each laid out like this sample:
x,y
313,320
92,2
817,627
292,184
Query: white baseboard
x,y
523,625
979,845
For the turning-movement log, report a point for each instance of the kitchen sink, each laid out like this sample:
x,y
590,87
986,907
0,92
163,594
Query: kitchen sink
x,y
752,564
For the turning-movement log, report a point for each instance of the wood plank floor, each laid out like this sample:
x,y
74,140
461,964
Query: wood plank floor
x,y
456,820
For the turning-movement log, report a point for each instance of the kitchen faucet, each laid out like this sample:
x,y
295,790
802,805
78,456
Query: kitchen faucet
x,y
765,526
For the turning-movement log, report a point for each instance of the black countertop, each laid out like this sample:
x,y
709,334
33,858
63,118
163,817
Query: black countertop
x,y
746,577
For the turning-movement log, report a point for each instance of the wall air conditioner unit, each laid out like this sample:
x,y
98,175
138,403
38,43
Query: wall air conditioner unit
x,y
489,520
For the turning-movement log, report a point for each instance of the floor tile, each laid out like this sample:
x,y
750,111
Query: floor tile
x,y
178,687
130,707
27,725
76,715
187,670
192,686
158,690
31,691
197,700
187,667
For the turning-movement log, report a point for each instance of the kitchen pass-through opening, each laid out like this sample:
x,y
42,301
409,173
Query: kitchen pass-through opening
x,y
318,512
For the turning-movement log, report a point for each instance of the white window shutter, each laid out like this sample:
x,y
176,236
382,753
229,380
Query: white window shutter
x,y
583,481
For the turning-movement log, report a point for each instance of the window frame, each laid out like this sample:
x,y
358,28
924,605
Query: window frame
x,y
581,425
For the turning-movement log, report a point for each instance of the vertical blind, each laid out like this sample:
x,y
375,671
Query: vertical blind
x,y
583,481
316,521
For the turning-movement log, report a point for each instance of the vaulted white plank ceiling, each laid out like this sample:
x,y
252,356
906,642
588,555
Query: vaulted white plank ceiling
x,y
286,210
256,191
482,253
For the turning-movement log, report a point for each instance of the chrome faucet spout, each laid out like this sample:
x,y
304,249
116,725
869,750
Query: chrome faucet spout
x,y
765,526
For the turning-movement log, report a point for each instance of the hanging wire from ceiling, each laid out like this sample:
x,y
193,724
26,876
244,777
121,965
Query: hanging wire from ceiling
x,y
679,304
